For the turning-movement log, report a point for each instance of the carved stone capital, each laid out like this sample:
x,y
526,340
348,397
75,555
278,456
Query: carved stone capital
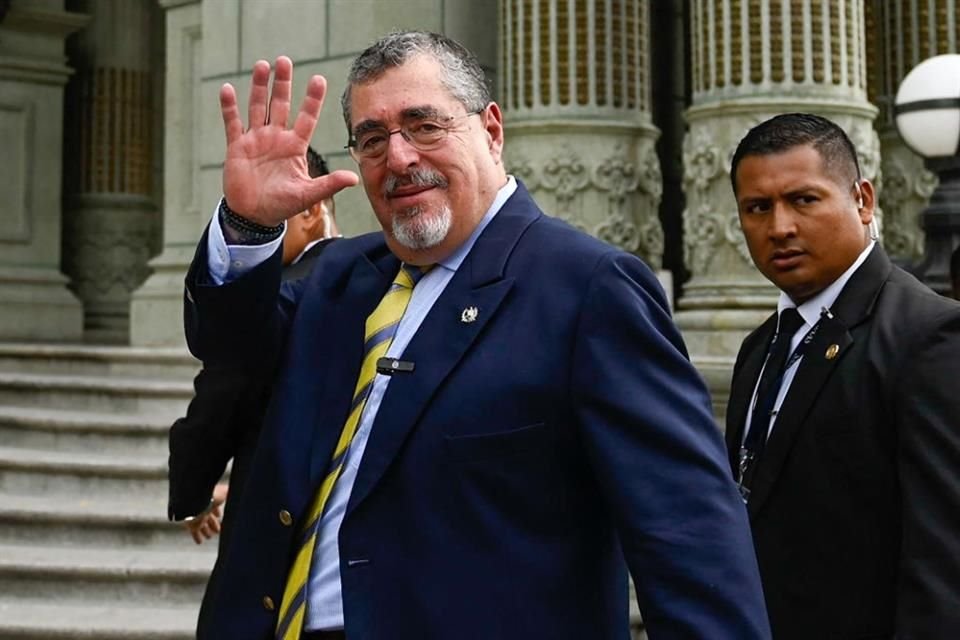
x,y
611,191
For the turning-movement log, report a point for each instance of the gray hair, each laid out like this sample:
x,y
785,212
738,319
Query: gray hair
x,y
462,74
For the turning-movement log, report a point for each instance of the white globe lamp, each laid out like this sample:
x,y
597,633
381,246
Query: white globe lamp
x,y
927,111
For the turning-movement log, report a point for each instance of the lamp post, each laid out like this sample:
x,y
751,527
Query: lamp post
x,y
927,110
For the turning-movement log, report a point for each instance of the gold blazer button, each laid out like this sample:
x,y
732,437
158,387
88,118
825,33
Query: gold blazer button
x,y
832,351
286,518
268,603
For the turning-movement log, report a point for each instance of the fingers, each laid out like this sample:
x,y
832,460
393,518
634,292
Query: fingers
x,y
279,109
220,492
203,528
310,108
326,186
232,125
257,108
195,529
280,94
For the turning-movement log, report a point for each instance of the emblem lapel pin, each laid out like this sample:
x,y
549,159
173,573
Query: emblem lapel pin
x,y
469,315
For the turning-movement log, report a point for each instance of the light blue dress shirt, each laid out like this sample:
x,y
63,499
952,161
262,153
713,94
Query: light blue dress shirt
x,y
228,262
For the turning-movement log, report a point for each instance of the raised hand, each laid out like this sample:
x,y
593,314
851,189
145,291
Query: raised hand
x,y
265,175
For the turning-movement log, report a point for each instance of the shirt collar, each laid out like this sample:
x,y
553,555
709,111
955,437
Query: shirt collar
x,y
309,246
811,309
455,259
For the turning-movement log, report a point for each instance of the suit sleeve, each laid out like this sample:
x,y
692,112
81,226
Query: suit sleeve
x,y
655,448
225,411
237,330
928,428
240,324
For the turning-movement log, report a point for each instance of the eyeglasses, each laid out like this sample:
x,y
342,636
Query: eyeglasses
x,y
423,134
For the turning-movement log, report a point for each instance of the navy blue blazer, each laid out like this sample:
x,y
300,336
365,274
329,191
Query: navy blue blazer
x,y
510,480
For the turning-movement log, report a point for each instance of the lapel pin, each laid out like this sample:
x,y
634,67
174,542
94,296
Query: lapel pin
x,y
469,315
832,351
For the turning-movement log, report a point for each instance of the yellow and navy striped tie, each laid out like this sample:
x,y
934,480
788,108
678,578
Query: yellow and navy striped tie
x,y
380,328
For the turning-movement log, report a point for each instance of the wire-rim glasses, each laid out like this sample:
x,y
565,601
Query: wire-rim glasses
x,y
422,133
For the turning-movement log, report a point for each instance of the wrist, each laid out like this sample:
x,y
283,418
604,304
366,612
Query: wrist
x,y
199,516
240,230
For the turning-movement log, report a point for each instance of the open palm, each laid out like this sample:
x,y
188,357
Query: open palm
x,y
265,175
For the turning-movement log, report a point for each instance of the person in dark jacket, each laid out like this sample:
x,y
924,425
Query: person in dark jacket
x,y
847,452
223,419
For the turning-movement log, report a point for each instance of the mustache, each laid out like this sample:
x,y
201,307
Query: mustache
x,y
418,177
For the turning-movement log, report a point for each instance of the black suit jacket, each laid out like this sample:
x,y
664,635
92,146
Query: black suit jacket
x,y
222,423
855,507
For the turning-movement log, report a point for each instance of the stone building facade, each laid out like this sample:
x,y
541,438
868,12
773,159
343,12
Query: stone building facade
x,y
621,116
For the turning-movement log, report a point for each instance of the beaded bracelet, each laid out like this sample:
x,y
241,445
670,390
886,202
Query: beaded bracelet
x,y
249,230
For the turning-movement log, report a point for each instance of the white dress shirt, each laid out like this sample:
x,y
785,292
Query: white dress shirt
x,y
810,312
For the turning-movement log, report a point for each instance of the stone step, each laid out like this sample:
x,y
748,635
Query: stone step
x,y
101,576
45,620
160,399
81,431
160,362
40,472
94,520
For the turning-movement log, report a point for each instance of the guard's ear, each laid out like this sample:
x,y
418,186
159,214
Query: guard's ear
x,y
866,198
312,220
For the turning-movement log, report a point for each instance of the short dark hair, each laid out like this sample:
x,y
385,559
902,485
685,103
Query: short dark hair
x,y
462,74
316,165
786,131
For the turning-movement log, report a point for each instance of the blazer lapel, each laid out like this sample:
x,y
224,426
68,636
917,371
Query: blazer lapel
x,y
813,372
365,285
822,356
444,337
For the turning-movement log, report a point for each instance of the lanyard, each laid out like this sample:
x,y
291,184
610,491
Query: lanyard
x,y
747,453
797,352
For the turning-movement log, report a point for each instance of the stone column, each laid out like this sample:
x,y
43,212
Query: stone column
x,y
34,301
156,310
901,35
574,85
752,59
111,218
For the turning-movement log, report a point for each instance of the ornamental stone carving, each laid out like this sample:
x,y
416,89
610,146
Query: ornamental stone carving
x,y
703,161
565,175
521,168
707,223
901,235
571,188
925,184
700,236
906,190
107,243
619,232
618,177
733,234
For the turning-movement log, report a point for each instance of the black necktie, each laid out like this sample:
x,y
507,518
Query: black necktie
x,y
767,390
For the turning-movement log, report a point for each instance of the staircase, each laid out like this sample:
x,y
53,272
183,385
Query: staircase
x,y
85,547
